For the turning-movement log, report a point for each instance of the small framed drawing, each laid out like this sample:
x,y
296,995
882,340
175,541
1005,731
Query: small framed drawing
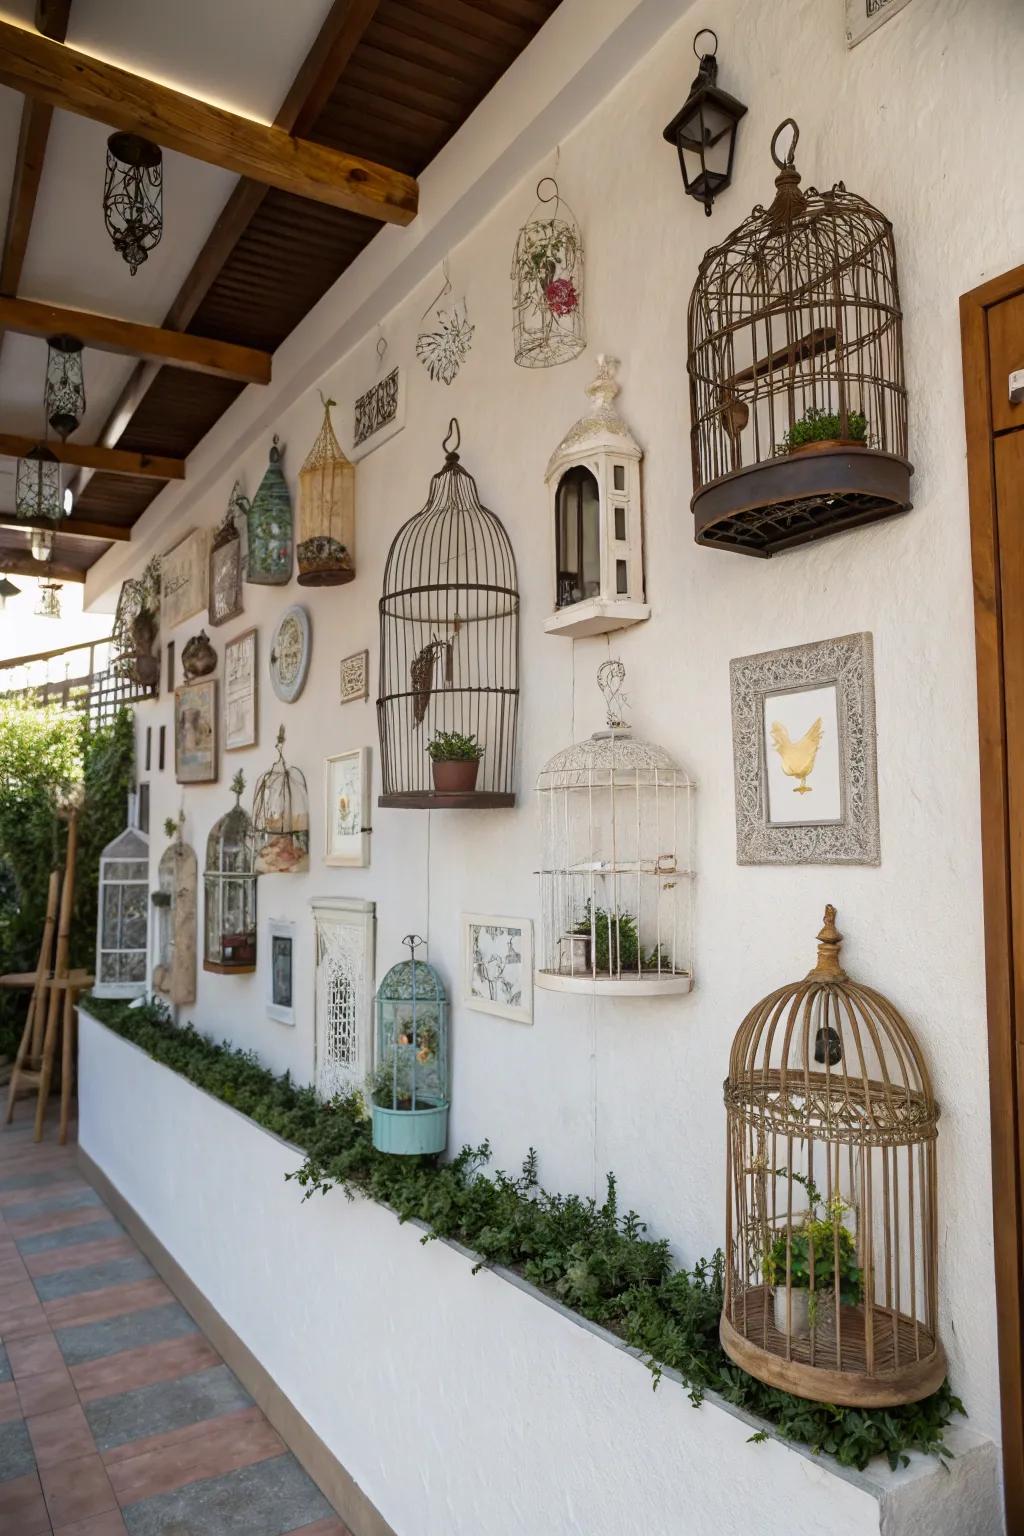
x,y
240,696
225,581
347,808
281,974
497,966
195,732
355,677
184,579
803,728
378,413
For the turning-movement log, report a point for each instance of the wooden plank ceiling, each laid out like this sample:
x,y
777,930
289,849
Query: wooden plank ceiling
x,y
390,81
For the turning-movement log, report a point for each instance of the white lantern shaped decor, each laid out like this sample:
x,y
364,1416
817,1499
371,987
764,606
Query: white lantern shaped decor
x,y
280,818
616,878
593,481
123,925
229,883
174,919
326,546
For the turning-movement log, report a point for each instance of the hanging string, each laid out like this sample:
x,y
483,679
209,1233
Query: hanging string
x,y
427,928
446,289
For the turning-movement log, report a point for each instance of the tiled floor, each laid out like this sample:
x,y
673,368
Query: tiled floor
x,y
116,1414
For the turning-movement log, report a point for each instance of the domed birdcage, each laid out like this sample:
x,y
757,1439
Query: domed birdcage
x,y
547,269
229,883
280,818
269,526
797,402
831,1225
174,910
449,650
123,927
409,1088
616,879
326,546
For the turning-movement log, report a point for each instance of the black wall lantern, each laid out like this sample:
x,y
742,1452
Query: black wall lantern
x,y
704,132
65,384
37,492
133,196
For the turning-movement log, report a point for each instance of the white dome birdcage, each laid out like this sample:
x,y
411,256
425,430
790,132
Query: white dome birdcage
x,y
616,879
123,930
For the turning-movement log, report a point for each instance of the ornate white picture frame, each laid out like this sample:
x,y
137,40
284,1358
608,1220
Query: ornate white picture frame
x,y
803,724
497,966
281,971
347,809
346,928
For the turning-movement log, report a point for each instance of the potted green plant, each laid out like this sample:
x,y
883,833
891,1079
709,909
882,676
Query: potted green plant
x,y
830,1243
455,762
616,943
407,1105
818,428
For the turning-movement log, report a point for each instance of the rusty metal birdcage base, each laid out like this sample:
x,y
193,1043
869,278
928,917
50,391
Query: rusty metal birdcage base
x,y
908,1364
433,800
800,497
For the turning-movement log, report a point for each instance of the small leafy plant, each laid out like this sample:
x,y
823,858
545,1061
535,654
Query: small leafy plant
x,y
826,1239
453,747
819,426
617,942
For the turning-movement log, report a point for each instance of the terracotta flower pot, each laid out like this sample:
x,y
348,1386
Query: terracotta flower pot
x,y
456,776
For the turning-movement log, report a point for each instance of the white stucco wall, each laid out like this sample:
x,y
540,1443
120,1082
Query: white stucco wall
x,y
920,120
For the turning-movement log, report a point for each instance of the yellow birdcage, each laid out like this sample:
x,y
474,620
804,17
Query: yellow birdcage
x,y
327,512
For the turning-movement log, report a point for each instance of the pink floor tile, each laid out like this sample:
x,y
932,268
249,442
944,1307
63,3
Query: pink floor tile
x,y
61,1435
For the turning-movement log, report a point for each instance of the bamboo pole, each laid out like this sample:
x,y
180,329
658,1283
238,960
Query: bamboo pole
x,y
60,971
31,1035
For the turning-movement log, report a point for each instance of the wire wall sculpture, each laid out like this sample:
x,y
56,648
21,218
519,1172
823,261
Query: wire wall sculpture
x,y
443,347
547,269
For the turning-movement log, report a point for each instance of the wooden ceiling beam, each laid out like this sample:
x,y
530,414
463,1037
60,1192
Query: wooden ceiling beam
x,y
12,564
115,461
75,81
114,533
198,354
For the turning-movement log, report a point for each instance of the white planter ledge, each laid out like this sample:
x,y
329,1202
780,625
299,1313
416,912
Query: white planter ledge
x,y
461,1404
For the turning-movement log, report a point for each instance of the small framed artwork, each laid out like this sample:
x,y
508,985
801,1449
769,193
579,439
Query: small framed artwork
x,y
195,732
378,413
225,580
803,723
865,16
347,808
281,974
497,966
184,579
355,677
240,692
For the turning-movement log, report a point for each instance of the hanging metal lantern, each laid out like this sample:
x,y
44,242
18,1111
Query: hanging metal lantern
x,y
280,818
409,1088
37,492
269,525
704,131
327,512
49,600
133,196
64,399
7,590
41,544
547,269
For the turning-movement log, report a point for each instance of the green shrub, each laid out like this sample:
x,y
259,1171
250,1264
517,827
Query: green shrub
x,y
818,426
453,747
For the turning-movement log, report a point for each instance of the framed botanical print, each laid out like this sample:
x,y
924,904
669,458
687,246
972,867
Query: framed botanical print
x,y
240,692
195,732
281,973
355,677
184,579
803,722
225,580
347,808
497,966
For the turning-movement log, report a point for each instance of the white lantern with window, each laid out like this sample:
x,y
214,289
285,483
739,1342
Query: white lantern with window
x,y
593,479
123,926
346,929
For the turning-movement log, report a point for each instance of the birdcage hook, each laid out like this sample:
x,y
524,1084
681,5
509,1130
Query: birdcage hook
x,y
787,164
705,32
454,431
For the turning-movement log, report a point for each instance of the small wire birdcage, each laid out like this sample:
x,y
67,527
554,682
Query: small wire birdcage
x,y
616,879
280,818
547,269
229,888
326,547
797,400
409,1087
269,527
449,645
831,1286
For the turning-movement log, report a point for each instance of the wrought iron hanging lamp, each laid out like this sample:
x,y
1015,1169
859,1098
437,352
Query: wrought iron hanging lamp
x,y
7,590
133,196
37,491
704,131
64,398
49,600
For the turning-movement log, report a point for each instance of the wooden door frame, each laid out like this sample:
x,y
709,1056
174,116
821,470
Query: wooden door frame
x,y
1005,1049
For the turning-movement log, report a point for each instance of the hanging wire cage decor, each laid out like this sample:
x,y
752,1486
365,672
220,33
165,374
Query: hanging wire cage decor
x,y
48,606
229,889
280,818
831,1288
797,398
123,918
65,385
449,650
136,626
326,548
409,1085
269,527
174,916
616,878
133,197
547,270
37,488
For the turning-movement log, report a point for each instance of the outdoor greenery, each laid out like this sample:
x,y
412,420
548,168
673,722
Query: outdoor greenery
x,y
827,1239
453,747
617,942
818,426
44,751
593,1258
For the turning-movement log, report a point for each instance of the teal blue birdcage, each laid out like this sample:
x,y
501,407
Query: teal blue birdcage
x,y
409,1087
269,526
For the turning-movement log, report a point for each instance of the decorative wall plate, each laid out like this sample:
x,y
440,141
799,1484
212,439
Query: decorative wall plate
x,y
289,653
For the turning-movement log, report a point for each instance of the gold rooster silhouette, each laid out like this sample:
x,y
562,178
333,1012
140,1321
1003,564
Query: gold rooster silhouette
x,y
798,757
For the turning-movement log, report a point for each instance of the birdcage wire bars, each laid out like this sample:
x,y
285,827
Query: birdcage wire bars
x,y
327,512
449,644
795,358
280,818
547,269
229,890
831,1288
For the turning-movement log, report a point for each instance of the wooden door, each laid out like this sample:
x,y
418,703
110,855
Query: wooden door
x,y
992,325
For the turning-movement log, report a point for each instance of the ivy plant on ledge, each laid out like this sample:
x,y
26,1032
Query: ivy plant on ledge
x,y
589,1256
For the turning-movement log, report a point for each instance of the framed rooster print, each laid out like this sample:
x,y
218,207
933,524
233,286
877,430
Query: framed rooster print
x,y
803,728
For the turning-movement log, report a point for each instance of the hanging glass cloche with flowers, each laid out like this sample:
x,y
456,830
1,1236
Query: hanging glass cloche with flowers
x,y
327,511
547,269
269,527
280,818
409,1087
